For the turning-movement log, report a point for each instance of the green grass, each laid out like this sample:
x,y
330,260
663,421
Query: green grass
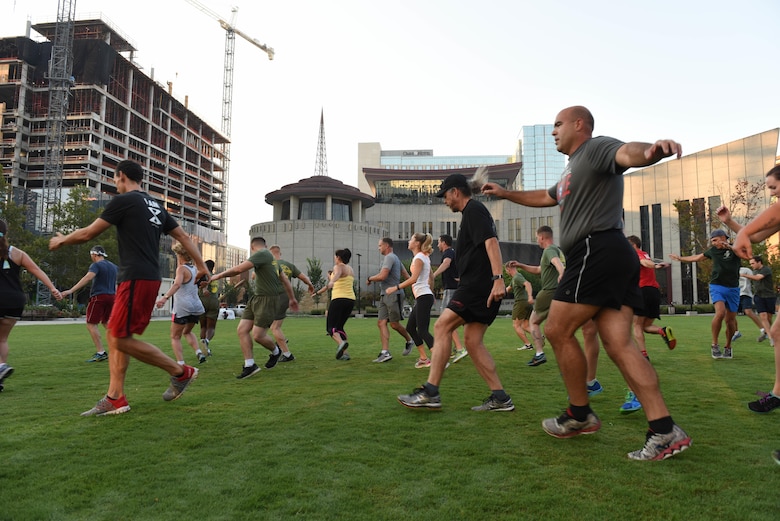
x,y
320,439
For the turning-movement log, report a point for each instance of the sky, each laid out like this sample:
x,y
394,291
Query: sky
x,y
455,76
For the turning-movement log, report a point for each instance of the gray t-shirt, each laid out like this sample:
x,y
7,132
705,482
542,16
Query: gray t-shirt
x,y
392,263
590,192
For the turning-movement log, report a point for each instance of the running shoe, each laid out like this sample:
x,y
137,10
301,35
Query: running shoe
x,y
272,358
716,351
420,364
766,403
776,456
492,403
105,407
201,358
668,336
99,357
763,336
460,355
408,348
5,372
736,336
246,372
420,399
595,389
726,353
662,446
287,357
564,426
179,384
340,351
631,404
538,359
345,357
384,356
526,347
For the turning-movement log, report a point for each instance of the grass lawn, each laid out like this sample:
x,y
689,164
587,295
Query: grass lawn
x,y
321,439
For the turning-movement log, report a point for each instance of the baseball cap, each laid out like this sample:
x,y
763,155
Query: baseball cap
x,y
452,181
718,233
98,250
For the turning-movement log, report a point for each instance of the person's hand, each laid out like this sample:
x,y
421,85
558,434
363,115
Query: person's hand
x,y
56,294
56,241
742,246
498,292
674,256
493,189
294,304
663,148
390,290
161,301
66,293
723,214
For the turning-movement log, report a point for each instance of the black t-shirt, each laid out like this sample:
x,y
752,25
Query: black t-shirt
x,y
476,227
140,220
449,275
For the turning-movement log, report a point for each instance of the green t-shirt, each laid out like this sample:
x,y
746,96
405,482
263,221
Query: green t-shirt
x,y
289,269
549,273
518,287
725,267
764,288
267,282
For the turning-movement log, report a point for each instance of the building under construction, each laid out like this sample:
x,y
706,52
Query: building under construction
x,y
115,112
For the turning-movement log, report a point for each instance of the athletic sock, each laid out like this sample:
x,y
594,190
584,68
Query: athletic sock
x,y
432,390
500,395
276,351
661,425
249,362
579,412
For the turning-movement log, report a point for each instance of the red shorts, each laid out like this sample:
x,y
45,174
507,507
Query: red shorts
x,y
99,309
135,300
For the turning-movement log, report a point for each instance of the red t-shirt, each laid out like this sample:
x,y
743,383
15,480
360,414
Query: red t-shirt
x,y
646,275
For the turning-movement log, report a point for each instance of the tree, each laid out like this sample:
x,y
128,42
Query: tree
x,y
314,272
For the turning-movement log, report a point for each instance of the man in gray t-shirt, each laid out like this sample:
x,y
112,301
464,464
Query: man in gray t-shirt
x,y
390,306
601,281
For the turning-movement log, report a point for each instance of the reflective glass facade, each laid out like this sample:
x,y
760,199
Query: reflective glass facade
x,y
542,163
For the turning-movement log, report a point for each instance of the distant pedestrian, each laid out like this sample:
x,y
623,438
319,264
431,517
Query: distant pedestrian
x,y
102,273
12,296
420,282
341,280
448,269
210,300
187,307
524,303
291,272
261,309
390,306
140,220
476,301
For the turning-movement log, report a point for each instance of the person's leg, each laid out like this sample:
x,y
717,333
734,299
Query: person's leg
x,y
717,321
384,334
590,339
176,332
775,332
447,322
614,330
192,340
536,332
278,334
473,336
6,325
94,333
244,332
517,324
261,336
424,306
562,323
752,315
638,327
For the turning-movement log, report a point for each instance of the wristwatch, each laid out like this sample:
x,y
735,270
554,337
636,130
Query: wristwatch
x,y
495,277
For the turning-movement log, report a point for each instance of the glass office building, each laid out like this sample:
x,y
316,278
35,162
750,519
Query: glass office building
x,y
542,163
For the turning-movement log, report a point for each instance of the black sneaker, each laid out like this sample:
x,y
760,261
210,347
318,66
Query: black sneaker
x,y
287,358
766,403
201,358
248,371
5,372
420,398
272,359
538,360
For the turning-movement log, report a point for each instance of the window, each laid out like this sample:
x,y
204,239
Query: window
x,y
341,210
286,210
311,209
534,224
510,230
518,228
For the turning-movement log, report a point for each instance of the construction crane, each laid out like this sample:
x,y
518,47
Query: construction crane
x,y
227,86
60,81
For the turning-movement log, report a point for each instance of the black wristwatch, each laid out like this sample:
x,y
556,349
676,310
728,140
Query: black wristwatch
x,y
495,277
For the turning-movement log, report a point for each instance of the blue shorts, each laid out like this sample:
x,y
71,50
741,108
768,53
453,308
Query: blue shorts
x,y
730,296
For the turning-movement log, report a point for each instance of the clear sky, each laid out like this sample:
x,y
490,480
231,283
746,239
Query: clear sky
x,y
456,76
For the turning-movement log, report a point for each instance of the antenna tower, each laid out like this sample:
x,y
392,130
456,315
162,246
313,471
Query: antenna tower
x,y
321,163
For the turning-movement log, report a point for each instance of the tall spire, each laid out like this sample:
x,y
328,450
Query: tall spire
x,y
321,164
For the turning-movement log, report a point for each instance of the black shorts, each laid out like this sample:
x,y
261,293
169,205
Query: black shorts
x,y
601,270
471,306
189,319
651,298
765,304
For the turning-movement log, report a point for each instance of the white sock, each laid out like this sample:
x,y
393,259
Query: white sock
x,y
180,362
249,362
276,351
198,352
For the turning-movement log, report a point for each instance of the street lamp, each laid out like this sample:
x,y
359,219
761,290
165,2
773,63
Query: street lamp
x,y
360,281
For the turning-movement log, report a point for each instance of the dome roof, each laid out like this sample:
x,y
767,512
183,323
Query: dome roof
x,y
319,186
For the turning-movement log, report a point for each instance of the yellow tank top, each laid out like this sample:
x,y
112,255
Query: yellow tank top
x,y
342,288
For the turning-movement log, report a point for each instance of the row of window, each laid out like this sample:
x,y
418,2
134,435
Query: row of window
x,y
315,209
